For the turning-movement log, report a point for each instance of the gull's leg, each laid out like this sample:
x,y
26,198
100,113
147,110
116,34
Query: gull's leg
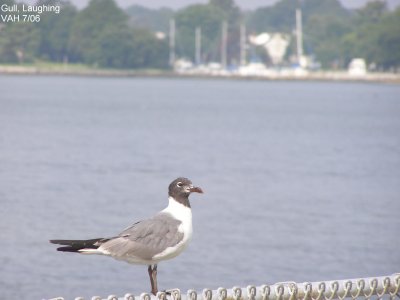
x,y
153,278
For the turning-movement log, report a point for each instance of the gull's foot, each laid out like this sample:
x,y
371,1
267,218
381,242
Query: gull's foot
x,y
167,292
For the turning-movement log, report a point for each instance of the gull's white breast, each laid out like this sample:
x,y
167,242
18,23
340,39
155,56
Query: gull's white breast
x,y
183,214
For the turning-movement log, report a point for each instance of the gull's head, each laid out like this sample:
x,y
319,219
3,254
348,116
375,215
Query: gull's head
x,y
182,187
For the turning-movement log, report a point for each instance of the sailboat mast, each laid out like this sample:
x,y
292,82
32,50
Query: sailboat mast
x,y
198,46
242,44
171,42
223,44
299,34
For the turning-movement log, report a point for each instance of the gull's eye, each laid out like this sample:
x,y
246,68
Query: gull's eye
x,y
179,184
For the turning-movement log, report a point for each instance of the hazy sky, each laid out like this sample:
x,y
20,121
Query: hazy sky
x,y
246,4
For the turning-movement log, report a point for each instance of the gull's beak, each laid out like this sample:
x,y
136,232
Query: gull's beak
x,y
195,189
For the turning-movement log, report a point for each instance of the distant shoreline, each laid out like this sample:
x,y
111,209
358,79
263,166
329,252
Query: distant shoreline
x,y
79,70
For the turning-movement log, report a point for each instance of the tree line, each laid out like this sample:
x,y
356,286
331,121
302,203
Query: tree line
x,y
98,35
104,35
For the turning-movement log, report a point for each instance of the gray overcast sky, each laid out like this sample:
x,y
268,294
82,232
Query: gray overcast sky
x,y
246,4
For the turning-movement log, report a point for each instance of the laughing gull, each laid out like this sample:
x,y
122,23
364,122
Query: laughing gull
x,y
150,241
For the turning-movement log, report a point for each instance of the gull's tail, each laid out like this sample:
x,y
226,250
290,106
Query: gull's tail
x,y
80,246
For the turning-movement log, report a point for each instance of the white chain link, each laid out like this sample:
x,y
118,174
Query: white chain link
x,y
351,289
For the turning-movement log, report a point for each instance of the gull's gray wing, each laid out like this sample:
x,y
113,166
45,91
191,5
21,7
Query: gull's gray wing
x,y
145,239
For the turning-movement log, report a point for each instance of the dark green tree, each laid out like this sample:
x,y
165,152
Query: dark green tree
x,y
19,41
148,51
387,37
55,31
377,40
209,18
152,19
101,37
88,28
232,14
199,15
130,48
228,9
113,48
278,17
372,12
323,38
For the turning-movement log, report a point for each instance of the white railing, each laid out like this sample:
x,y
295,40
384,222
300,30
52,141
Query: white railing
x,y
384,287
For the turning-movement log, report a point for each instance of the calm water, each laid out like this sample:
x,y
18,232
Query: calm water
x,y
301,180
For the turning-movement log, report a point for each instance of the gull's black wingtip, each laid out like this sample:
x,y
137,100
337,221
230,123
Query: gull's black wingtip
x,y
76,245
61,242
